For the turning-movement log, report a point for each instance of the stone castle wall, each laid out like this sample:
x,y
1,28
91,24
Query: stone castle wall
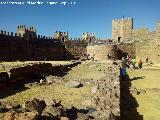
x,y
143,39
147,44
75,48
13,47
140,42
101,52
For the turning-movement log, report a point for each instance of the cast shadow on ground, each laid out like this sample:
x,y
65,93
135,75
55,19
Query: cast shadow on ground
x,y
11,91
34,75
137,78
128,103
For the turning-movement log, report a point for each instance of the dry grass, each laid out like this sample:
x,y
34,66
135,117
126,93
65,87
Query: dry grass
x,y
68,96
149,103
87,70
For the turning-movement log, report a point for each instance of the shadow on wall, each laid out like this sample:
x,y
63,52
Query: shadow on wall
x,y
120,54
70,56
128,103
29,74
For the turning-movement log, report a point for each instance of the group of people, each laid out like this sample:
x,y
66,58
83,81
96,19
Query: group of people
x,y
126,62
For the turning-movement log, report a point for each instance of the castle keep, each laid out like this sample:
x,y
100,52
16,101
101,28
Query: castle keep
x,y
25,44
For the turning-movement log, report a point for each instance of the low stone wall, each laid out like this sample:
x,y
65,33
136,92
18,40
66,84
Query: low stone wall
x,y
101,52
107,100
31,73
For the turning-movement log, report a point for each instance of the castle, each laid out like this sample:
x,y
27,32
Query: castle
x,y
141,42
25,44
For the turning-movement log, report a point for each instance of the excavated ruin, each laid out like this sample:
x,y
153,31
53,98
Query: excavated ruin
x,y
104,103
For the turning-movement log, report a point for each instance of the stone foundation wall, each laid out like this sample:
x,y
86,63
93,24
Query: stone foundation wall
x,y
107,100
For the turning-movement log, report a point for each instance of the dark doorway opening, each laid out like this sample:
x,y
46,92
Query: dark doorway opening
x,y
119,39
30,37
63,39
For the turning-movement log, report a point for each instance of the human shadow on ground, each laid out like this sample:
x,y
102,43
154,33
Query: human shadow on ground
x,y
137,78
128,103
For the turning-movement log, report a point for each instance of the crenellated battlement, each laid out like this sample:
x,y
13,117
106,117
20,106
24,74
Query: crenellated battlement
x,y
122,19
75,39
62,36
23,27
8,34
44,37
142,30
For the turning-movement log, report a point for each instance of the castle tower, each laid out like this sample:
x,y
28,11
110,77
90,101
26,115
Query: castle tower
x,y
63,36
29,33
122,29
89,37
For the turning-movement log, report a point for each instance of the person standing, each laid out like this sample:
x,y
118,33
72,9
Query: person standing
x,y
134,62
140,64
123,68
147,60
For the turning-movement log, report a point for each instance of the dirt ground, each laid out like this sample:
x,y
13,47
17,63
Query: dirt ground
x,y
68,96
148,80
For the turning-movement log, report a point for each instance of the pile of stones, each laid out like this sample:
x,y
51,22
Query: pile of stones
x,y
107,95
39,110
32,73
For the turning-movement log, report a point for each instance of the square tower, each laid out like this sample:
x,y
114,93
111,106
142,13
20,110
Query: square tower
x,y
29,33
122,29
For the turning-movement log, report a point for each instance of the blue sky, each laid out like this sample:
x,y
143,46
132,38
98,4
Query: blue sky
x,y
85,16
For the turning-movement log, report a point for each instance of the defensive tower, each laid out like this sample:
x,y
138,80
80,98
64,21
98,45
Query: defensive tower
x,y
122,29
29,33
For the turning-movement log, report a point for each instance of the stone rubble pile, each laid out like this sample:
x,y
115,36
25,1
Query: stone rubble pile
x,y
32,73
107,92
38,110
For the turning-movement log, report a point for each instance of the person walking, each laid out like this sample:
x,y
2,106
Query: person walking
x,y
140,64
134,62
123,68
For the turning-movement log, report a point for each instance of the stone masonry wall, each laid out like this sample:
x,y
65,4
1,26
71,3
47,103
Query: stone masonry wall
x,y
107,100
100,52
128,48
75,48
18,48
122,29
143,40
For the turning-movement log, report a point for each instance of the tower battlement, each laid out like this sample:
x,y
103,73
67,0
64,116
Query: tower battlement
x,y
123,19
28,32
61,35
24,28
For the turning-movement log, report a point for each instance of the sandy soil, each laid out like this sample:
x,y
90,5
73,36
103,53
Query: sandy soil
x,y
147,79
